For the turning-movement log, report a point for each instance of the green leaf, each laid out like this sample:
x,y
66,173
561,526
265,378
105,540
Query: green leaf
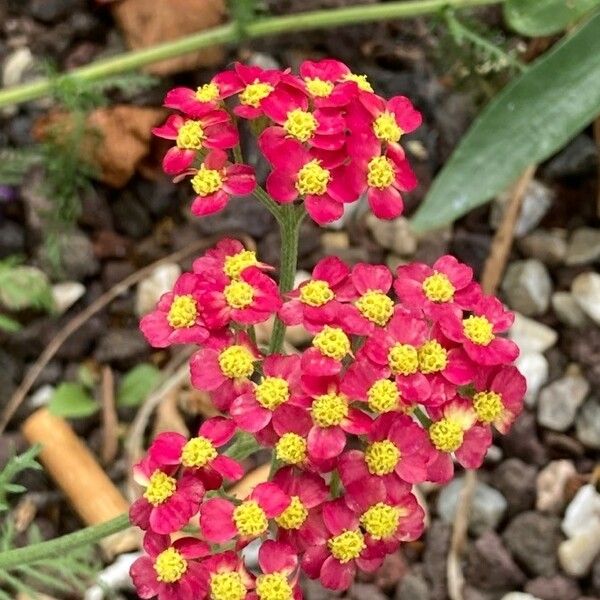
x,y
73,401
545,17
243,446
9,325
137,384
24,287
532,118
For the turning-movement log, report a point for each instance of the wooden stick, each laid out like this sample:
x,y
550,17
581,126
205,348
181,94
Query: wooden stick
x,y
110,421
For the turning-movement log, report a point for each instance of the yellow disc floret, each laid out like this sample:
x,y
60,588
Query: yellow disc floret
x,y
329,410
382,457
376,307
312,179
381,520
238,294
386,129
183,312
360,80
170,566
227,585
438,288
383,396
318,87
272,392
236,361
190,136
403,359
250,519
207,181
236,263
255,93
316,293
198,452
273,586
478,329
291,449
332,342
433,357
347,546
488,406
446,435
380,172
160,488
293,516
208,92
300,124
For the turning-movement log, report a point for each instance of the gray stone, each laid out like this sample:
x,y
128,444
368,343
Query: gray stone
x,y
522,441
550,486
559,401
587,424
582,511
366,591
515,479
519,596
584,246
531,335
150,289
121,345
77,259
395,234
527,287
487,510
567,310
553,588
437,545
586,291
413,587
535,368
12,238
579,157
549,246
51,11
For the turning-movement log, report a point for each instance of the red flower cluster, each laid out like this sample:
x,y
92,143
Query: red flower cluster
x,y
328,138
390,393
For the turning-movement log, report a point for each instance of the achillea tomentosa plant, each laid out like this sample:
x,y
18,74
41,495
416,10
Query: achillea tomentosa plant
x,y
390,392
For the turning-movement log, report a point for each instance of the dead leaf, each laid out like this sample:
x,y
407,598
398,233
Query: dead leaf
x,y
145,24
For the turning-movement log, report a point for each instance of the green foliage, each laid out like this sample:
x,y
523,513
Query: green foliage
x,y
23,287
9,325
16,464
15,164
526,123
72,400
545,17
242,446
137,384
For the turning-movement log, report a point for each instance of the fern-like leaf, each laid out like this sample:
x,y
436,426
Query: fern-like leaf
x,y
16,464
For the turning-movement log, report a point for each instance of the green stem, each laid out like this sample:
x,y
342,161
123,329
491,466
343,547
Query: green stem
x,y
230,33
51,548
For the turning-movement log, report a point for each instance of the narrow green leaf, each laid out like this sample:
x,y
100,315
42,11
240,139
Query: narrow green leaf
x,y
137,384
9,325
243,446
73,401
532,118
545,17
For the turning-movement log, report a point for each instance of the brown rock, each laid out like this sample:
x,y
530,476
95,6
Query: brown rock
x,y
553,588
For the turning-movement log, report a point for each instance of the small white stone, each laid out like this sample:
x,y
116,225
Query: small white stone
x,y
519,596
527,287
530,335
567,310
41,396
149,291
577,554
586,291
550,485
395,235
534,367
15,65
113,578
66,294
558,402
583,510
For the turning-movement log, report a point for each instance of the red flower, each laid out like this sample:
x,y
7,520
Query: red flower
x,y
225,577
279,578
211,130
177,318
170,569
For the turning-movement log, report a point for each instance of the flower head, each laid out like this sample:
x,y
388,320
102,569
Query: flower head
x,y
225,577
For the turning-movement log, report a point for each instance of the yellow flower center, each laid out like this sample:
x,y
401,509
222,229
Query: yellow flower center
x,y
360,80
207,181
438,288
347,546
170,566
198,452
318,87
381,520
183,312
250,519
316,293
312,179
160,488
403,359
255,93
227,586
291,449
239,294
236,263
433,357
207,92
488,406
329,410
293,516
382,457
272,392
376,307
383,396
332,342
446,435
273,586
385,128
236,361
190,136
478,329
380,172
300,124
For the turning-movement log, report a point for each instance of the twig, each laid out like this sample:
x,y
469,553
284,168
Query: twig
x,y
492,274
597,138
110,422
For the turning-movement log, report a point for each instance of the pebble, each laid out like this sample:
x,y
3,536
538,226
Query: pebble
x,y
584,246
395,235
582,511
516,481
577,554
335,240
51,11
559,401
12,238
535,368
553,588
579,157
41,396
587,424
567,310
120,345
519,596
522,441
527,287
65,294
549,246
77,257
413,587
437,545
365,591
586,291
15,65
550,486
531,335
161,280
487,510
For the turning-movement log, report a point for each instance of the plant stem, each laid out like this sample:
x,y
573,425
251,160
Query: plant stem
x,y
232,32
52,548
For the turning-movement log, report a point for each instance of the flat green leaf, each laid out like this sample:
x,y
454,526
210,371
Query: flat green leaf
x,y
10,325
73,401
242,446
532,118
24,287
545,17
137,384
